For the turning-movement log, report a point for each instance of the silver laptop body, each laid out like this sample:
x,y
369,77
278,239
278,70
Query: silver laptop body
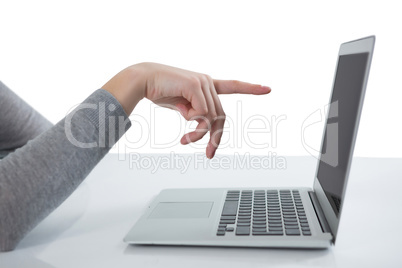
x,y
272,217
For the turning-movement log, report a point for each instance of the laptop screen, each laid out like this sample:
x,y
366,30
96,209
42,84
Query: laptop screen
x,y
340,127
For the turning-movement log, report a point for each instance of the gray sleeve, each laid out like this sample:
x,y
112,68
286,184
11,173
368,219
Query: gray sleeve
x,y
19,122
39,176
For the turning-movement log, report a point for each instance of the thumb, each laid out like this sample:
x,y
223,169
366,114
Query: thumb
x,y
183,109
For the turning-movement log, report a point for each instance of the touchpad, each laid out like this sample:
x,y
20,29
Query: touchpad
x,y
181,210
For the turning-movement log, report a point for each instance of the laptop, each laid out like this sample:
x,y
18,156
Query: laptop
x,y
272,217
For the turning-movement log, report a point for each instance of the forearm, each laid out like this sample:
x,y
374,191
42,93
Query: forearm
x,y
38,177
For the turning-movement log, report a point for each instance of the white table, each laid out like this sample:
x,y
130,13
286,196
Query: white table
x,y
87,230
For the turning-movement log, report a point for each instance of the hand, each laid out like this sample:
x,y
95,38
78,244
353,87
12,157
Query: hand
x,y
195,95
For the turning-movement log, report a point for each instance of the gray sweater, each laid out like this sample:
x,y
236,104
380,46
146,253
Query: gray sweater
x,y
43,164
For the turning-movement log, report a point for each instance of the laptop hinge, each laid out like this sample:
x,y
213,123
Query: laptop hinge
x,y
320,214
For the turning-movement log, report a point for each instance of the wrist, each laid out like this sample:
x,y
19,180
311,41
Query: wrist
x,y
128,87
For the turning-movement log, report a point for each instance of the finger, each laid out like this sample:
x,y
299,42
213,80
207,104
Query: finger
x,y
215,137
234,86
217,126
206,88
204,126
200,131
195,96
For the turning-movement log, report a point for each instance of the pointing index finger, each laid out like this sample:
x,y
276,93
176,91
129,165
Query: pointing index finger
x,y
234,86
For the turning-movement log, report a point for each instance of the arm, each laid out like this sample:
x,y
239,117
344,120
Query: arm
x,y
19,122
38,177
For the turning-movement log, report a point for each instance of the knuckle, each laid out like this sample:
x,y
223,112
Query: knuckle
x,y
235,83
203,79
204,110
200,119
214,115
194,82
208,77
208,123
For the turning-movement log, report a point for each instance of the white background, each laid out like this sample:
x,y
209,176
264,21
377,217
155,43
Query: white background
x,y
54,54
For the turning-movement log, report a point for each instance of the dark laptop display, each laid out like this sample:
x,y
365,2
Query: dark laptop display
x,y
339,131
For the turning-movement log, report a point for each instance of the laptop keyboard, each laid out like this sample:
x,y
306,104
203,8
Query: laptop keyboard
x,y
260,212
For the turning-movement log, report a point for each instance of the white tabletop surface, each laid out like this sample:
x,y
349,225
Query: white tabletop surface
x,y
88,229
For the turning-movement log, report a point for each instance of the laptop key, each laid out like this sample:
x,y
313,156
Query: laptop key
x,y
259,230
274,219
274,210
274,225
275,229
228,217
274,215
242,230
291,227
227,221
268,233
289,213
260,212
289,210
292,232
230,208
